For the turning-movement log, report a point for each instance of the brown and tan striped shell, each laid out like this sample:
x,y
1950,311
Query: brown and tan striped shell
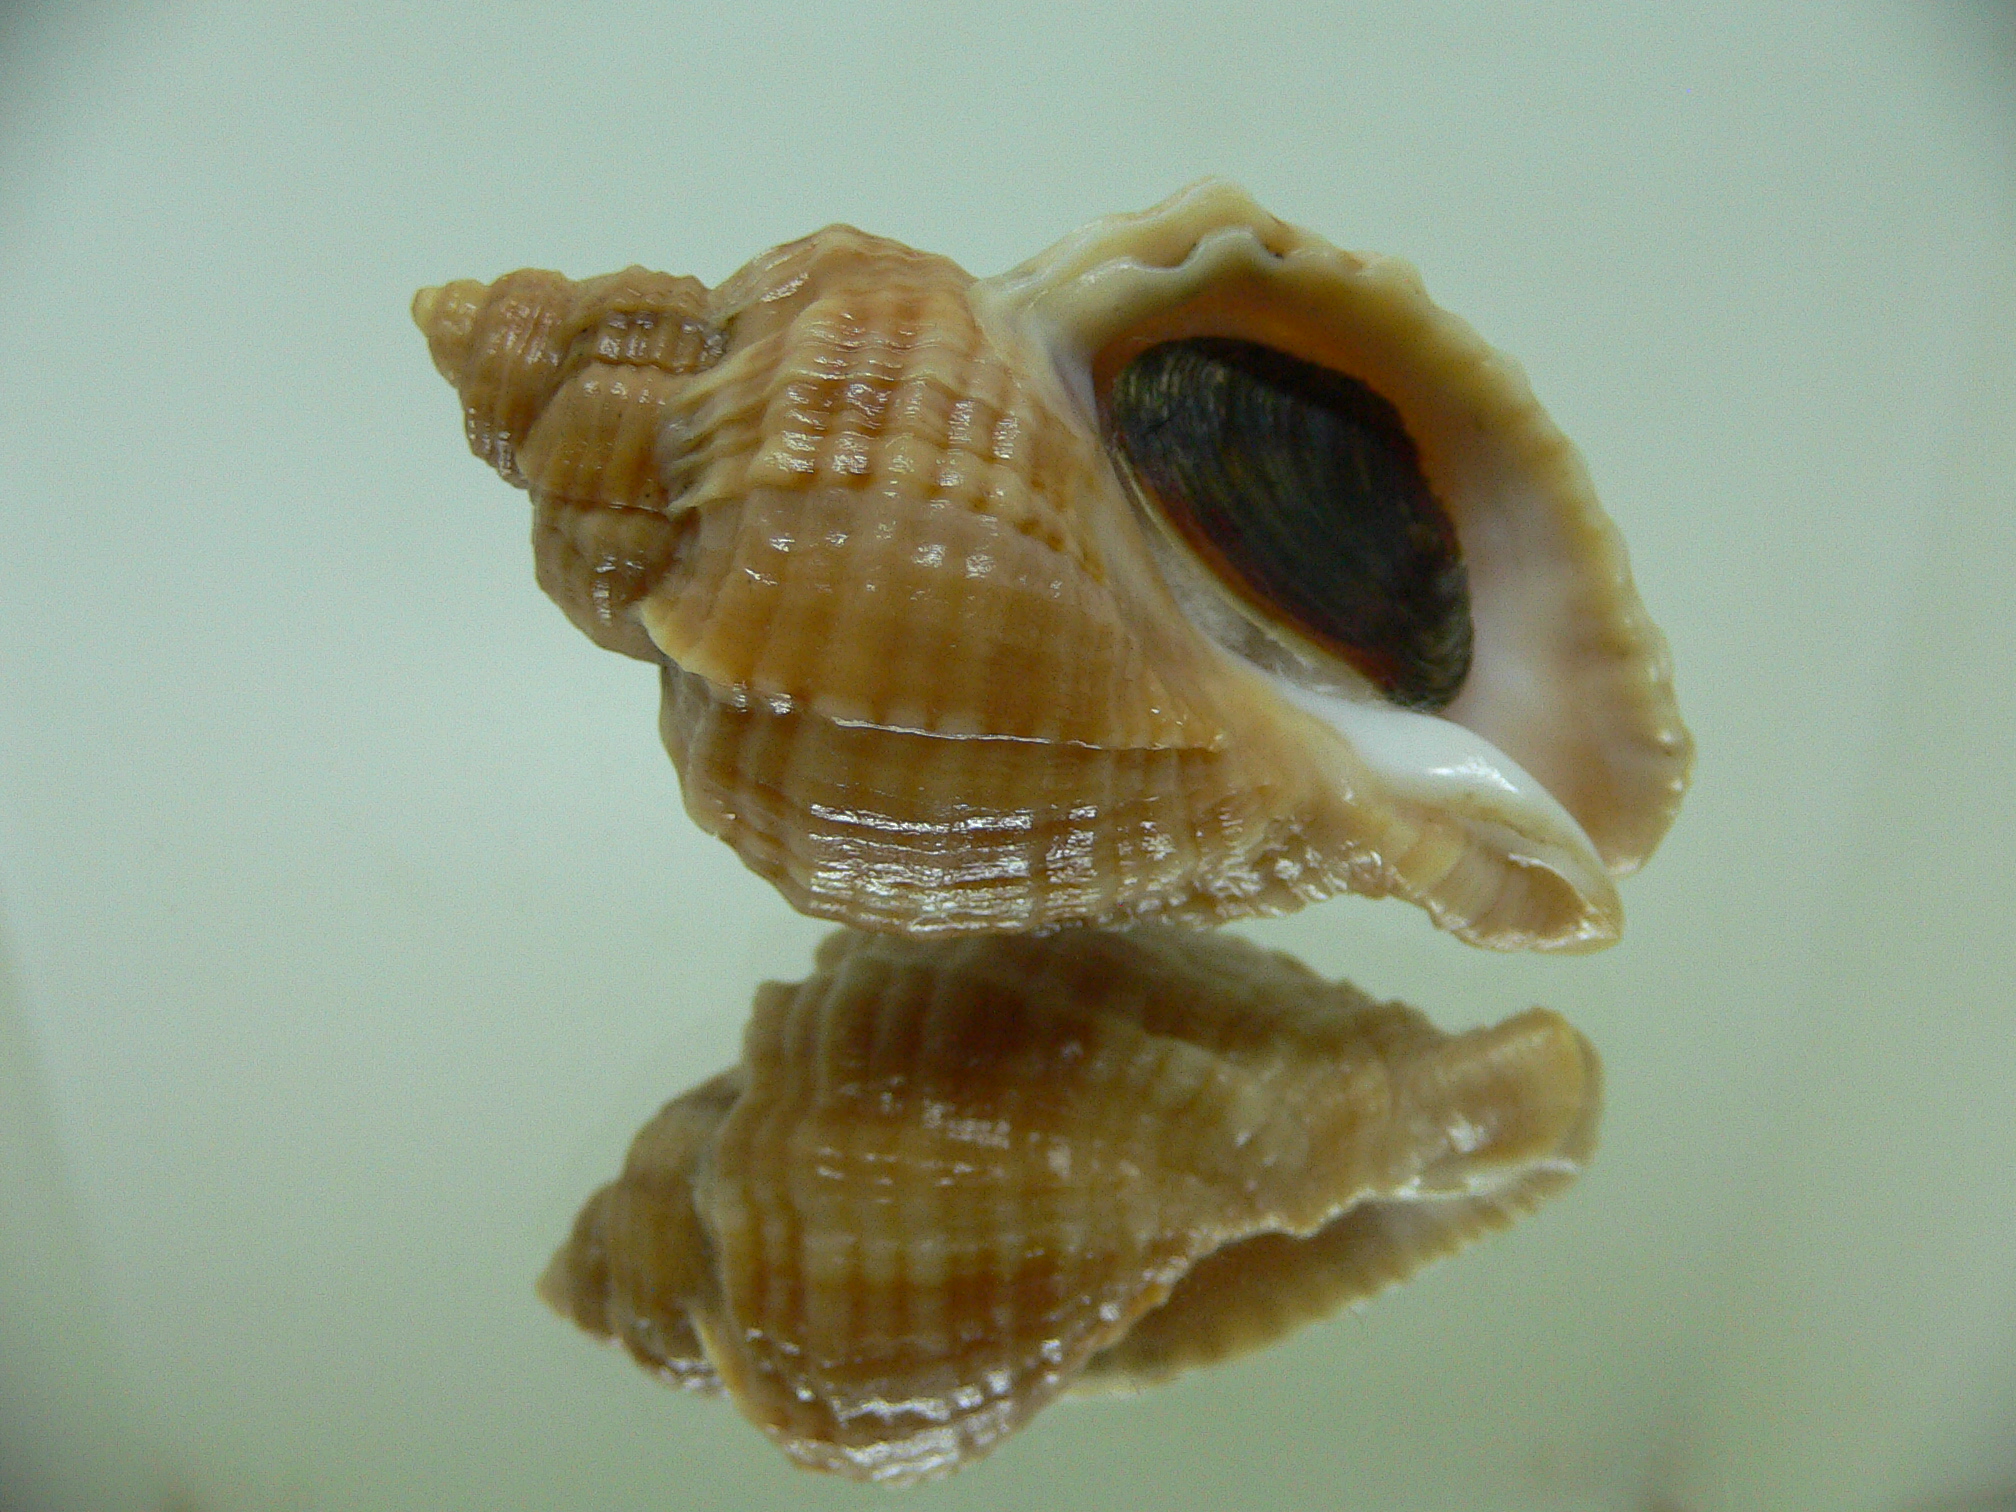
x,y
952,1179
928,666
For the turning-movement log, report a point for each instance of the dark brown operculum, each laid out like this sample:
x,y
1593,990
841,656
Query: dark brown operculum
x,y
1303,491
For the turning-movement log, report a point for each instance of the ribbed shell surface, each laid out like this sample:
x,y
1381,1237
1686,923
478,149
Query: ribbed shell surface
x,y
951,1179
923,666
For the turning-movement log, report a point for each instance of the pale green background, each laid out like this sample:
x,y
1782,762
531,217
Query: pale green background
x,y
351,922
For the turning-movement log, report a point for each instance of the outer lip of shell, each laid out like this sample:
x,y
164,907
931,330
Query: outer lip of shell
x,y
1571,693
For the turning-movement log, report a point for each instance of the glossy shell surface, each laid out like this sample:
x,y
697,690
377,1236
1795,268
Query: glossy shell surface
x,y
954,1178
933,659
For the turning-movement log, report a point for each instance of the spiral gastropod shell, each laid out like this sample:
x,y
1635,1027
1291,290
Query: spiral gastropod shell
x,y
1193,569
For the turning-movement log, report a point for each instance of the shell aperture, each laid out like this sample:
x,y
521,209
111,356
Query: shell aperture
x,y
952,1180
928,665
1304,488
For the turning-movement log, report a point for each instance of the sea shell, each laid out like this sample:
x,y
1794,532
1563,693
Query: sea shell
x,y
954,1178
1009,604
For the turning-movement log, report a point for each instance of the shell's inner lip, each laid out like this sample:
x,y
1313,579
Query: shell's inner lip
x,y
1301,491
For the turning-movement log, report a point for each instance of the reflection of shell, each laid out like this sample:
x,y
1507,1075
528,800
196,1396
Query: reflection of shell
x,y
940,651
952,1179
